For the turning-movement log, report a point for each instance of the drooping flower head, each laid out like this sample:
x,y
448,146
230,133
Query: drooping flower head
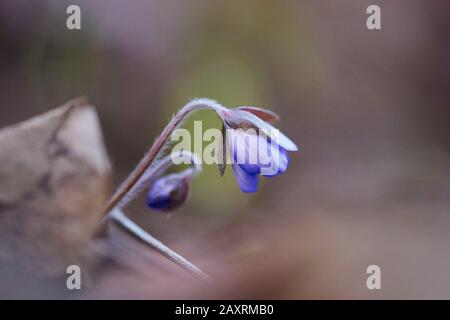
x,y
255,147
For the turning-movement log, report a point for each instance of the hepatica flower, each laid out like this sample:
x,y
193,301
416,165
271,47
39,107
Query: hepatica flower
x,y
255,147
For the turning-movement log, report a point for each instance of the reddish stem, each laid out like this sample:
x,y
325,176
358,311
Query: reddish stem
x,y
151,155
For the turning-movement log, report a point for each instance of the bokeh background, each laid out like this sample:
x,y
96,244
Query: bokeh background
x,y
369,110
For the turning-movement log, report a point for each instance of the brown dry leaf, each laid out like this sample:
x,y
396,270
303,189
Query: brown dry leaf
x,y
54,180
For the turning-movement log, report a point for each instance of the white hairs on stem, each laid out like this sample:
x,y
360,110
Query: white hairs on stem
x,y
156,170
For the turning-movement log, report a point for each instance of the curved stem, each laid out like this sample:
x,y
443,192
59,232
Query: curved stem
x,y
144,174
152,173
151,155
155,171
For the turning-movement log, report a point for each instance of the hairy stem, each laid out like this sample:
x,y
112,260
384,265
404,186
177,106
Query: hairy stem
x,y
155,171
144,174
158,145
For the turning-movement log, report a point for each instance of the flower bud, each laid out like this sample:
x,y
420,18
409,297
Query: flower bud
x,y
168,192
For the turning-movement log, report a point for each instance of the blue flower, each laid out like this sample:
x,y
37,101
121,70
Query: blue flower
x,y
256,148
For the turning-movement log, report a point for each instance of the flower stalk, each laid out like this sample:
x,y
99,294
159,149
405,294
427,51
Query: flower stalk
x,y
248,149
152,154
149,176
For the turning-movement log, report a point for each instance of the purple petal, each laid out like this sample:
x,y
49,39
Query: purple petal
x,y
158,196
244,147
282,168
248,167
251,168
247,182
158,203
284,160
168,192
274,159
278,136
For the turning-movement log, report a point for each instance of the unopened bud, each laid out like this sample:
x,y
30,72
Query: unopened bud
x,y
168,192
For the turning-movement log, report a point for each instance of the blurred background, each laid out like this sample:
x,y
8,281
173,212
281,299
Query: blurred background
x,y
368,109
